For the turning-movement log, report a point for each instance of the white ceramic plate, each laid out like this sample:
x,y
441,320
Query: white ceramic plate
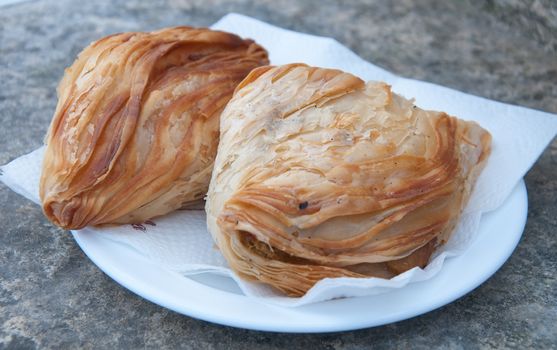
x,y
218,299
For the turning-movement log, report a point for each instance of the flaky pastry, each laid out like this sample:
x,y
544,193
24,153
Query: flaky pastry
x,y
319,174
135,130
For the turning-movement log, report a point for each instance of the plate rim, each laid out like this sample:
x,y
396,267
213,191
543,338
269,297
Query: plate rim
x,y
138,287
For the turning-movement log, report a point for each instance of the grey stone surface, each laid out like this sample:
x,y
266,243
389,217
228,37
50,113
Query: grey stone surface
x,y
52,296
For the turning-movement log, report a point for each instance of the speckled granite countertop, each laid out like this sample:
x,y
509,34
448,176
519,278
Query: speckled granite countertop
x,y
52,296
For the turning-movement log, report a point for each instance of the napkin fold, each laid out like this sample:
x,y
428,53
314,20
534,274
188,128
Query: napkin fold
x,y
180,242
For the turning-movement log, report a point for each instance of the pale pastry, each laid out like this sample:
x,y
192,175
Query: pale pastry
x,y
319,174
136,127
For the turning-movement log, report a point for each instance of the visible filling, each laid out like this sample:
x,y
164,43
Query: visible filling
x,y
419,258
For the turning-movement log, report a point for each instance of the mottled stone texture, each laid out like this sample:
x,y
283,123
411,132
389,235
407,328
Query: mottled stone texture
x,y
52,296
536,17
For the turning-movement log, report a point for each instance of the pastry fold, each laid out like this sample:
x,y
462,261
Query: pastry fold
x,y
319,174
136,128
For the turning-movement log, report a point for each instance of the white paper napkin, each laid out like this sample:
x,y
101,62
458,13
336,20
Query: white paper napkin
x,y
180,241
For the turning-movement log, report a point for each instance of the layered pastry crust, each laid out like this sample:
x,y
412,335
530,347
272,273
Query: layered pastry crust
x,y
136,127
319,174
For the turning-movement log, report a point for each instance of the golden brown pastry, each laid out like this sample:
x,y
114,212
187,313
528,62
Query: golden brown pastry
x,y
136,127
319,174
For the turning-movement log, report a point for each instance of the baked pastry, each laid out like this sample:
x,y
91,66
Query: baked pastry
x,y
136,127
319,174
